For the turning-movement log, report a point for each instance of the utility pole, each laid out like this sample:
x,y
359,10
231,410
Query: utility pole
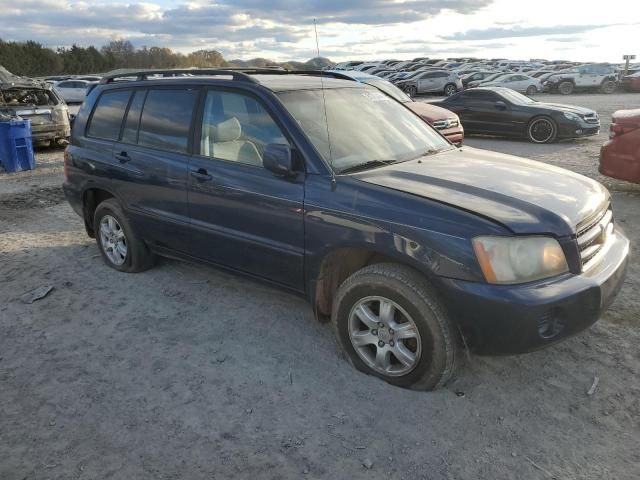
x,y
626,58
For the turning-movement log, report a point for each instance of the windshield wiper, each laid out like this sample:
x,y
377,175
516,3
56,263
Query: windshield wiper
x,y
366,166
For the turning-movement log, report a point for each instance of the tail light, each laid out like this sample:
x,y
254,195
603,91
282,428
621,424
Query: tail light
x,y
67,161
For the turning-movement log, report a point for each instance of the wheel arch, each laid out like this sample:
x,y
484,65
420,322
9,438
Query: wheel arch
x,y
91,198
338,264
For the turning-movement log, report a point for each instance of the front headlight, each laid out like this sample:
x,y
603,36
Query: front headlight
x,y
571,116
510,260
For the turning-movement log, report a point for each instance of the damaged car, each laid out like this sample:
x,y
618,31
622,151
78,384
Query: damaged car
x,y
22,97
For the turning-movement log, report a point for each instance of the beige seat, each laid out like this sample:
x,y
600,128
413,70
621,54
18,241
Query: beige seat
x,y
222,141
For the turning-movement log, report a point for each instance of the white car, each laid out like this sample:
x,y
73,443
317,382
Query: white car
x,y
72,91
518,82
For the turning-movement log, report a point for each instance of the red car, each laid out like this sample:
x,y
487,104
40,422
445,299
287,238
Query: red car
x,y
631,82
620,156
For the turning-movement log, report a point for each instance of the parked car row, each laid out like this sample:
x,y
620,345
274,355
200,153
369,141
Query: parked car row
x,y
423,75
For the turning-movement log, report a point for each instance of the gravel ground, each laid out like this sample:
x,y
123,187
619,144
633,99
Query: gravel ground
x,y
185,372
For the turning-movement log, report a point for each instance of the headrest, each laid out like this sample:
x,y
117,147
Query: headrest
x,y
226,131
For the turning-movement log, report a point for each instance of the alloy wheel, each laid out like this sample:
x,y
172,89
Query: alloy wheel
x,y
449,90
541,130
113,240
384,336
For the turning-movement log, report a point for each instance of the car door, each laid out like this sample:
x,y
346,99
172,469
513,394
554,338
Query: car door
x,y
439,80
489,113
64,89
79,91
151,162
242,215
424,82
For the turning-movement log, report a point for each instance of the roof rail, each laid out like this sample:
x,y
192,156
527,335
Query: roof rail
x,y
144,74
238,74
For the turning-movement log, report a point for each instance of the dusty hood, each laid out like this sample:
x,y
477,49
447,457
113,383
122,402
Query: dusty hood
x,y
430,112
525,196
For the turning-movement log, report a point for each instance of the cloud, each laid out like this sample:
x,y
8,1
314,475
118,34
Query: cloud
x,y
499,32
232,20
565,39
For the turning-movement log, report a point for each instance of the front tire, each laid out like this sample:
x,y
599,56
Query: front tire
x,y
411,90
121,249
542,130
531,90
391,324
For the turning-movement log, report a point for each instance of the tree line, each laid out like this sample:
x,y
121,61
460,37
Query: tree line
x,y
32,59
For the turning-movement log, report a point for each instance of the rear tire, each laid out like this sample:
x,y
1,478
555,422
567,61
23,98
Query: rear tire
x,y
121,249
565,88
417,345
450,89
531,90
542,130
608,87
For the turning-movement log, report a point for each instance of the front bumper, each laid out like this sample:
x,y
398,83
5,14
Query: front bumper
x,y
577,129
455,134
511,319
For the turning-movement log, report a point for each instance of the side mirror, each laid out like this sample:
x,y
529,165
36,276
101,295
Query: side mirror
x,y
72,119
500,105
278,159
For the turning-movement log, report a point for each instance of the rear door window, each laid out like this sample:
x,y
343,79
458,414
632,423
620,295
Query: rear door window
x,y
166,119
108,114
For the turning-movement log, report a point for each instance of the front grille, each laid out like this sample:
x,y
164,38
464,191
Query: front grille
x,y
446,123
592,237
591,118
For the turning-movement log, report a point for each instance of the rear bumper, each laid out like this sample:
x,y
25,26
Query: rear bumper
x,y
50,131
618,162
511,319
74,197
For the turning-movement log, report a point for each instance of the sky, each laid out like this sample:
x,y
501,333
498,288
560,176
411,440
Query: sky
x,y
576,30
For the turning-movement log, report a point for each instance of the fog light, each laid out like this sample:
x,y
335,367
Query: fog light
x,y
579,131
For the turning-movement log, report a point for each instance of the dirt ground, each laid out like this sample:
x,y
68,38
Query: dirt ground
x,y
185,372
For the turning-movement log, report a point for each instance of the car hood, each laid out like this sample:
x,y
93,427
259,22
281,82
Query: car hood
x,y
567,108
429,112
527,197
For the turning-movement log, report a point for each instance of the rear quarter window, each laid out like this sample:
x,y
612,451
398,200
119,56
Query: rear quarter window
x,y
108,114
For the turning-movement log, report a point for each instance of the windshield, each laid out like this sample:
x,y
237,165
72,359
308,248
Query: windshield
x,y
516,98
365,126
390,89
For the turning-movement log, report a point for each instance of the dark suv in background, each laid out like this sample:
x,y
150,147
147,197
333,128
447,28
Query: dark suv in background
x,y
333,190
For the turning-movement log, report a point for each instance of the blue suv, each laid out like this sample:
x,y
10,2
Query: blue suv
x,y
329,188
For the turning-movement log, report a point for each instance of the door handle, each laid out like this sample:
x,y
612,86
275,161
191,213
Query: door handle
x,y
123,157
201,175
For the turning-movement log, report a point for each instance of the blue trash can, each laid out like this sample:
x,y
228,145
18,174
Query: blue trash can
x,y
16,147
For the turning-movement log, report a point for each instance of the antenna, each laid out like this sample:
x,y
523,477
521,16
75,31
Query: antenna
x,y
324,103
